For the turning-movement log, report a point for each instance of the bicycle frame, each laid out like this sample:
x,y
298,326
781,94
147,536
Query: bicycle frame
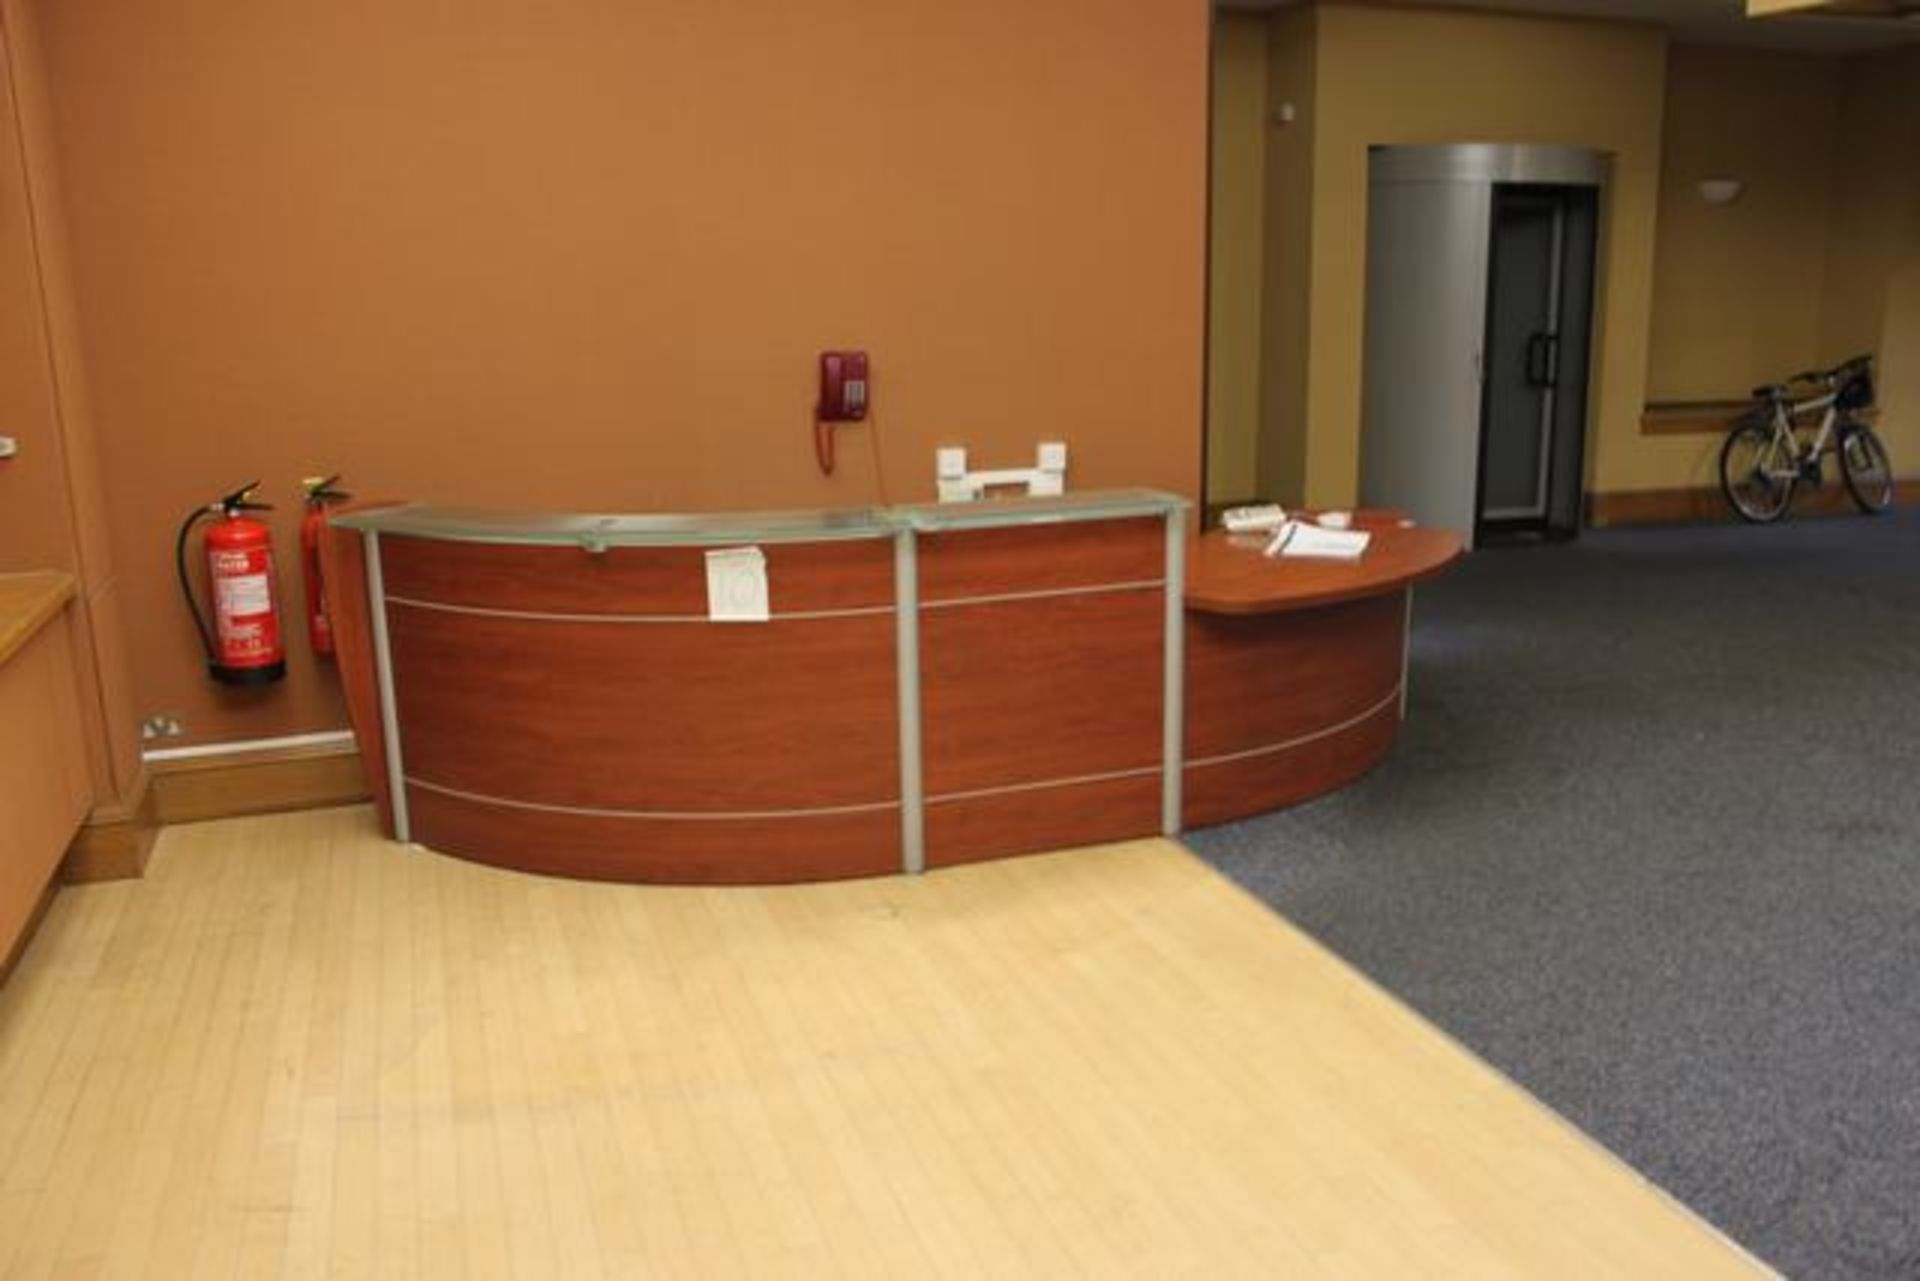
x,y
1784,414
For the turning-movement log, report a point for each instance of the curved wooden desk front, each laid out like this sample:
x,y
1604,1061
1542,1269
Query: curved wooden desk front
x,y
579,714
1296,670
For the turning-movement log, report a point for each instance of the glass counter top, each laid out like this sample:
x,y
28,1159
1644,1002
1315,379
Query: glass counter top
x,y
595,532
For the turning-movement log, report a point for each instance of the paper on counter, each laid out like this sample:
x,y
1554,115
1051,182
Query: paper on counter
x,y
1299,539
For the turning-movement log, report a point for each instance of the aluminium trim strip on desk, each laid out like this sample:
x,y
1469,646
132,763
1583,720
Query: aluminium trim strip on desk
x,y
383,675
906,666
713,529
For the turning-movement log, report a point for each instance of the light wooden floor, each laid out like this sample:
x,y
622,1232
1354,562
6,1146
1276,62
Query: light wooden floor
x,y
295,1048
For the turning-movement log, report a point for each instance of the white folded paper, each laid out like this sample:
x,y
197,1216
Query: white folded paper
x,y
1297,538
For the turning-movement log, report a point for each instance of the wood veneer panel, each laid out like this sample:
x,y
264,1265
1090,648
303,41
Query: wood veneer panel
x,y
1052,818
854,574
1256,784
650,716
1259,679
44,784
343,562
705,852
989,562
1033,690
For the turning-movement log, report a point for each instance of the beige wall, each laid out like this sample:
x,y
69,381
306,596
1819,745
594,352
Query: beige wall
x,y
577,255
1286,308
1819,258
1736,286
1872,298
1412,76
1239,143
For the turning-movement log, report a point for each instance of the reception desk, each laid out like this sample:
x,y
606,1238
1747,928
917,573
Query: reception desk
x,y
930,685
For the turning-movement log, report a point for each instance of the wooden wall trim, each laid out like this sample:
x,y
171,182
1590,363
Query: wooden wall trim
x,y
1703,417
116,841
243,781
1706,504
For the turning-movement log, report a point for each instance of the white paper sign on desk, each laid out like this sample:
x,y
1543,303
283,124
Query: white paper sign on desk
x,y
737,585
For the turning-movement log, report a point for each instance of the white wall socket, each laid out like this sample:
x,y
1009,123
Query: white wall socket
x,y
8,446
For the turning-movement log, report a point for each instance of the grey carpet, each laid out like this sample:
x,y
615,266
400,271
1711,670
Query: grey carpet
x,y
1650,843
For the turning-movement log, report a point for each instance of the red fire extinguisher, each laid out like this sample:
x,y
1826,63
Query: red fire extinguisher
x,y
243,642
320,492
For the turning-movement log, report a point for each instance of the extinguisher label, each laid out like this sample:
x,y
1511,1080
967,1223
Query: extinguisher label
x,y
247,594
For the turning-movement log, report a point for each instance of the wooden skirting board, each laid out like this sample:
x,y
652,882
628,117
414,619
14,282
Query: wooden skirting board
x,y
115,842
114,845
1708,504
257,782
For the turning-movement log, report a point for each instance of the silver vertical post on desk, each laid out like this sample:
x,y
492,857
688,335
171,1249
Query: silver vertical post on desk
x,y
1406,646
906,642
383,672
1173,677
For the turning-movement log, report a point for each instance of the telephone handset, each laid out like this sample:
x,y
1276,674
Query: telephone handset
x,y
843,387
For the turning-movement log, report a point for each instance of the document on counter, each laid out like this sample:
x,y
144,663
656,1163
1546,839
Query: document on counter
x,y
1298,538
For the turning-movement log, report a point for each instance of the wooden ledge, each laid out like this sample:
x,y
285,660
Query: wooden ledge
x,y
27,602
1703,417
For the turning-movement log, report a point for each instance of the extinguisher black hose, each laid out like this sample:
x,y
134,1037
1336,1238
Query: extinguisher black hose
x,y
186,582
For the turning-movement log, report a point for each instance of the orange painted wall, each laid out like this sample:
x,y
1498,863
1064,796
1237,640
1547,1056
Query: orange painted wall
x,y
576,254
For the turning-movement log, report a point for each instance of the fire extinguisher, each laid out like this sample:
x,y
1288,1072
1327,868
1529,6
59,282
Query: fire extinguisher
x,y
320,492
243,642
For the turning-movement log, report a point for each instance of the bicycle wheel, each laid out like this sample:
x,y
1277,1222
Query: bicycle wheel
x,y
1869,473
1755,475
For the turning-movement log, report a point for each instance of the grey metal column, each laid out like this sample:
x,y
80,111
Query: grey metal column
x,y
383,671
1406,645
906,643
1173,677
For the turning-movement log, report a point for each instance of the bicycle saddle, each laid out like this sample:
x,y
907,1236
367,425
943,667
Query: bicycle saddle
x,y
1772,391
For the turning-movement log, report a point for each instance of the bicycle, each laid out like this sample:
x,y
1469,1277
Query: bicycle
x,y
1764,458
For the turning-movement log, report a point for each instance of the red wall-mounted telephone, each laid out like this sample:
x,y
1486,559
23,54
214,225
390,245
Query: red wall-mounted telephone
x,y
843,387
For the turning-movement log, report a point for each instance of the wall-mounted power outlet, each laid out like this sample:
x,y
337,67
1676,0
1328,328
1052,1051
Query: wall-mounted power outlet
x,y
162,725
8,447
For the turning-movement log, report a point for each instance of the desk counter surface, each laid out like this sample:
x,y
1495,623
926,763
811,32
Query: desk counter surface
x,y
1229,574
27,602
